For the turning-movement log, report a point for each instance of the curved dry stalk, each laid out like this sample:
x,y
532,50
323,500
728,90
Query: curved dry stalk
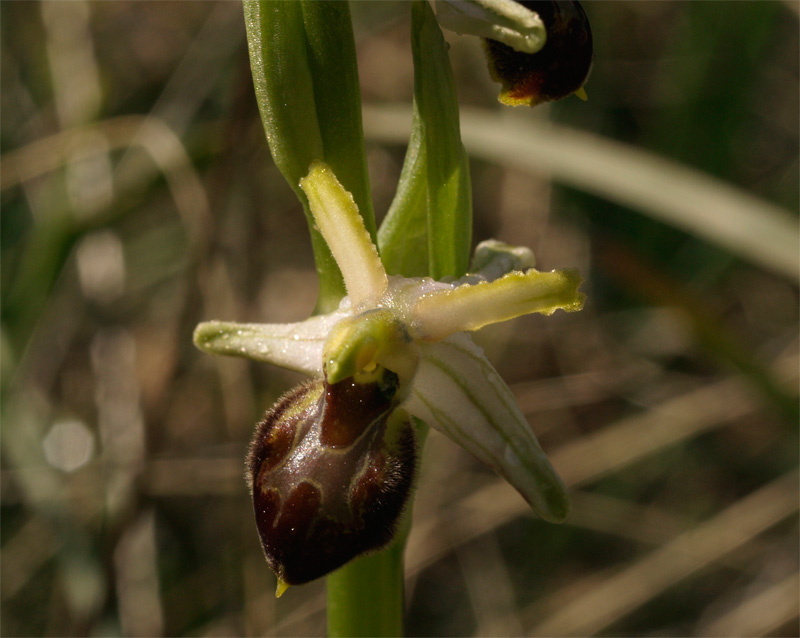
x,y
761,614
618,595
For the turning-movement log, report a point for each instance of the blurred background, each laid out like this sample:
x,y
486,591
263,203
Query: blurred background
x,y
139,198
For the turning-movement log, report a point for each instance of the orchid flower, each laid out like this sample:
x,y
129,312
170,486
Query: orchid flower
x,y
395,348
538,50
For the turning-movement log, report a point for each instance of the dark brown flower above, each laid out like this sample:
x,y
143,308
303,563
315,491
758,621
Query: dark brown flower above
x,y
559,69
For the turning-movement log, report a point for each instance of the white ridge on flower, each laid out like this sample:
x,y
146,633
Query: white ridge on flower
x,y
415,327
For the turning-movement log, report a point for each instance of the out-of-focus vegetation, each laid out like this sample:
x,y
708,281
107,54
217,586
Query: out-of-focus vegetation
x,y
139,198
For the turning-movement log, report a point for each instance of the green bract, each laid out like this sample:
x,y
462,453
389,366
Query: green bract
x,y
428,228
303,59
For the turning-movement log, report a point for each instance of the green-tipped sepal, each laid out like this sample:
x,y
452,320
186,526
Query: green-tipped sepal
x,y
458,392
296,346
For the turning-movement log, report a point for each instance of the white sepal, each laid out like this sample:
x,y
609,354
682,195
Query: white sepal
x,y
296,346
458,392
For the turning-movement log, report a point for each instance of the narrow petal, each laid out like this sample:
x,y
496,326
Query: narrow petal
x,y
337,218
470,307
458,392
297,346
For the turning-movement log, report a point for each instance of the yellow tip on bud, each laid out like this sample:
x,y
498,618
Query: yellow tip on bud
x,y
581,93
281,588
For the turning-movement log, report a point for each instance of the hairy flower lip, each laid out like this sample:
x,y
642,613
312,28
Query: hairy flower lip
x,y
330,469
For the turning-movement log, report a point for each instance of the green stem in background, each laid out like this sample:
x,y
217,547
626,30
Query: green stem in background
x,y
303,60
752,228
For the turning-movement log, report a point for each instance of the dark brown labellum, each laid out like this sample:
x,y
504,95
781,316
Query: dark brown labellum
x,y
559,69
330,469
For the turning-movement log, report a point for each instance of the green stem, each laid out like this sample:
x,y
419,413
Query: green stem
x,y
366,597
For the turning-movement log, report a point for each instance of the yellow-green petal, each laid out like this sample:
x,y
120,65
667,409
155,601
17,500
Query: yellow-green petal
x,y
472,306
337,218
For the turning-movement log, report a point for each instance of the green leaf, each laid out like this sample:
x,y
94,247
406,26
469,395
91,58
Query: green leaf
x,y
427,230
284,85
446,163
303,60
332,60
403,235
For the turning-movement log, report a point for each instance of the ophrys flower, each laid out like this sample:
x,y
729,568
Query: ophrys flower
x,y
333,462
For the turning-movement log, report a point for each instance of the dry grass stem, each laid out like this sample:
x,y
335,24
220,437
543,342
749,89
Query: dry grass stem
x,y
633,586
